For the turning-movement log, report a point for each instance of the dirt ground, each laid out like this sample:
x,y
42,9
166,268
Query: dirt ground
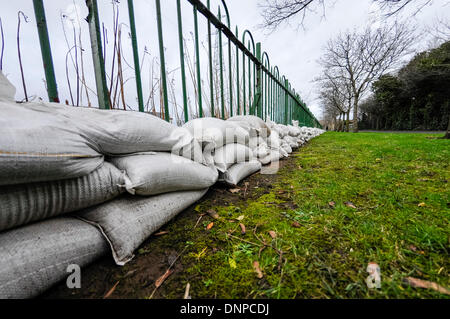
x,y
137,278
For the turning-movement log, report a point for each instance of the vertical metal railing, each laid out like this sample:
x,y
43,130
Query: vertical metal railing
x,y
255,88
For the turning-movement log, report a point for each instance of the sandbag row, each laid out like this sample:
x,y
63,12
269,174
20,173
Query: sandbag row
x,y
57,160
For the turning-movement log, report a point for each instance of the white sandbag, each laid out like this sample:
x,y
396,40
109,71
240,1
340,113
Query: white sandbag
x,y
37,256
230,154
257,123
246,126
26,203
7,90
239,171
261,151
158,173
286,148
274,141
37,146
294,131
128,221
211,130
118,132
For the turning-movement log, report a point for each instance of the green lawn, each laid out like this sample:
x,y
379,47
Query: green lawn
x,y
399,184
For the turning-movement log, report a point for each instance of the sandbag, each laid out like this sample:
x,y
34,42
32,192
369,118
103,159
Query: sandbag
x,y
209,130
273,156
257,123
118,132
7,90
35,257
239,171
26,203
158,173
36,145
128,221
229,154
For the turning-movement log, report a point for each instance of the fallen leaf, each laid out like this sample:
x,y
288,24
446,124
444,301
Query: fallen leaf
x,y
272,234
332,204
213,213
161,279
110,292
296,225
242,228
350,204
232,263
210,225
422,205
161,233
240,218
419,283
234,190
186,292
258,271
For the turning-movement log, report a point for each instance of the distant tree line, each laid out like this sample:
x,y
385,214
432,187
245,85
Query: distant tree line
x,y
416,98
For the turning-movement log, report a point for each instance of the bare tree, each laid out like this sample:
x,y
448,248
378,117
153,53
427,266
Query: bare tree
x,y
277,12
359,58
336,97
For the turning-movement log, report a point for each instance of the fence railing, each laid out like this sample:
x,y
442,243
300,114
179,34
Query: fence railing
x,y
256,89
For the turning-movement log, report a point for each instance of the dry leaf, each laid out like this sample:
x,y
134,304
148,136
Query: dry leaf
x,y
350,204
240,218
422,205
258,271
161,233
110,292
186,292
210,225
332,204
234,190
242,228
295,225
273,234
213,213
161,279
419,283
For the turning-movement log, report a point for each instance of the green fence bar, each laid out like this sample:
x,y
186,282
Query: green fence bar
x,y
46,51
237,76
286,101
134,44
211,80
258,89
222,97
97,56
197,55
162,61
183,68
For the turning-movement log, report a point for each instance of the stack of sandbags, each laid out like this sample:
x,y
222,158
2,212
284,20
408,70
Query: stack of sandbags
x,y
226,144
52,162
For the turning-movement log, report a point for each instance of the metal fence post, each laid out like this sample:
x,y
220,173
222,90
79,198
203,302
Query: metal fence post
x,y
99,63
162,61
46,51
286,101
137,70
183,69
258,97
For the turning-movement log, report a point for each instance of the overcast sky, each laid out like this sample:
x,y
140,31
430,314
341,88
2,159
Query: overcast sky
x,y
294,50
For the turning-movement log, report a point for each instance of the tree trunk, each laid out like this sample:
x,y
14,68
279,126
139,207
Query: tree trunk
x,y
355,115
447,134
348,121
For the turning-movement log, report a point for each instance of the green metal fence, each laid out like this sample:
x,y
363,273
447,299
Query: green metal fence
x,y
258,88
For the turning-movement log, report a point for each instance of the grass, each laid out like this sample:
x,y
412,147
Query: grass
x,y
399,186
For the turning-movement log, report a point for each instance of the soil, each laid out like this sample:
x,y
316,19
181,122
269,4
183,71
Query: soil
x,y
137,278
